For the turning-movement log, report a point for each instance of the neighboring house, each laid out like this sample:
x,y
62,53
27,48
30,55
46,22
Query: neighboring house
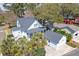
x,y
77,20
71,20
27,27
54,39
76,37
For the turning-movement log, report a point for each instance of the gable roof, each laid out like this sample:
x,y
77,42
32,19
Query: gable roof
x,y
26,21
53,37
36,30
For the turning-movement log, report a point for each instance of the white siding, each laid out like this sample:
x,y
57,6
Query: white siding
x,y
18,34
57,46
76,37
61,42
52,45
36,24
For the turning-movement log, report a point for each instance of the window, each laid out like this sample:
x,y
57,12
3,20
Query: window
x,y
76,34
35,25
27,33
49,41
41,31
31,35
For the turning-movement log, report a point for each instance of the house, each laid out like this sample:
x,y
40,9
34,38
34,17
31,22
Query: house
x,y
54,39
76,37
26,27
69,20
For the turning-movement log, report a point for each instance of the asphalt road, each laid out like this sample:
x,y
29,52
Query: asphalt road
x,y
73,53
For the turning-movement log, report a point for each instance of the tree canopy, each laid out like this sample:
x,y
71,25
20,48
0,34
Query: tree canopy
x,y
54,12
49,12
23,47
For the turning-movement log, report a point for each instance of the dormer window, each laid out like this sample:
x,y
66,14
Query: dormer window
x,y
35,25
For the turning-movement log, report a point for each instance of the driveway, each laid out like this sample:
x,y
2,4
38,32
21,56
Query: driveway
x,y
50,51
61,25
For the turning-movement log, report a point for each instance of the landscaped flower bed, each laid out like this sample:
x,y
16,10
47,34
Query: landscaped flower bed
x,y
60,31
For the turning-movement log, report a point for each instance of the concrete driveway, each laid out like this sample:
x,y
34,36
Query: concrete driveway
x,y
61,25
50,51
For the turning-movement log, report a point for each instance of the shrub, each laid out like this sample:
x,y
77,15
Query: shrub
x,y
69,37
55,30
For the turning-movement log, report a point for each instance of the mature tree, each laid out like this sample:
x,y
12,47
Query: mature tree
x,y
2,19
20,8
22,47
31,6
70,9
49,12
22,42
6,46
10,47
17,8
38,42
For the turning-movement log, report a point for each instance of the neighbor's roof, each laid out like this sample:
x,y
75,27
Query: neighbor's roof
x,y
53,37
26,21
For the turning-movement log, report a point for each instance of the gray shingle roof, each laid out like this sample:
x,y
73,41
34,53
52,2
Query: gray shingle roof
x,y
23,29
35,30
15,28
31,31
26,21
53,37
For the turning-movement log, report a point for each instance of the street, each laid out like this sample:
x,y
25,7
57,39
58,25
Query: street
x,y
73,53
